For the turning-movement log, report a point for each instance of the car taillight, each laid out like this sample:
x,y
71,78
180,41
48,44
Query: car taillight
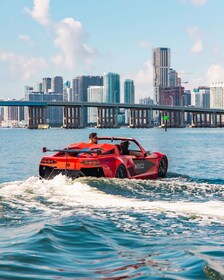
x,y
48,161
90,162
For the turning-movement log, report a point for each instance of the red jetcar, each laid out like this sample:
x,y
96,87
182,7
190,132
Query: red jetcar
x,y
104,159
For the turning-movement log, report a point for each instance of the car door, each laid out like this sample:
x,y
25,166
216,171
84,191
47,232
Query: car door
x,y
143,163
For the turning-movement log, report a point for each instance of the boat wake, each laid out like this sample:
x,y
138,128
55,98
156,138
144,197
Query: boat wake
x,y
163,227
171,196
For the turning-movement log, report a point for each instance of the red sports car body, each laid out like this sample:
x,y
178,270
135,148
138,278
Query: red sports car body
x,y
104,160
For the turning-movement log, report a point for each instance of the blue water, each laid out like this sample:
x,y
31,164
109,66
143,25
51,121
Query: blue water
x,y
109,228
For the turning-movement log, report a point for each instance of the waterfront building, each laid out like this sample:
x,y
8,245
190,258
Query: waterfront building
x,y
111,83
217,95
67,91
95,94
202,97
80,85
53,115
171,96
129,98
57,84
161,68
37,87
173,76
129,91
75,89
146,101
12,115
28,89
187,102
187,98
46,85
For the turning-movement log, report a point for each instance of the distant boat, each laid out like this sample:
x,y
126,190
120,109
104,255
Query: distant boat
x,y
43,126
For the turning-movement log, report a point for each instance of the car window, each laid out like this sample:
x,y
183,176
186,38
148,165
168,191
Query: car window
x,y
134,147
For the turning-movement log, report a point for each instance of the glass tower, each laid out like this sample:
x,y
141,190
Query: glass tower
x,y
111,83
129,92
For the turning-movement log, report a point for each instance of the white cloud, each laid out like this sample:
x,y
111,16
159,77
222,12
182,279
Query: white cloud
x,y
70,37
71,41
216,49
193,32
145,75
22,67
27,39
199,2
195,35
40,11
143,80
144,44
215,73
197,47
194,2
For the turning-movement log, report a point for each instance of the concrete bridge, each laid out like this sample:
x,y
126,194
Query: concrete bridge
x,y
140,115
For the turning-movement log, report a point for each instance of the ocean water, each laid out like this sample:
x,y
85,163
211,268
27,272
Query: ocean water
x,y
93,228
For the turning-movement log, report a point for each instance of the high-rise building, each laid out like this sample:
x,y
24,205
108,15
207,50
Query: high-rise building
x,y
57,84
161,66
217,95
80,85
202,97
173,75
95,94
75,89
129,91
37,87
12,115
146,101
111,83
46,85
187,98
67,91
171,96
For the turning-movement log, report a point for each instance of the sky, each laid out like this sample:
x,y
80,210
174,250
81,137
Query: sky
x,y
68,38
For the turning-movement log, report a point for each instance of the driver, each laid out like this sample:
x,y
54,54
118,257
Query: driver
x,y
93,139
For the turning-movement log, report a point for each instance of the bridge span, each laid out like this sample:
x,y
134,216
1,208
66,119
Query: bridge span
x,y
141,116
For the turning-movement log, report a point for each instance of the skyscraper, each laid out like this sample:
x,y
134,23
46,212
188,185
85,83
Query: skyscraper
x,y
129,91
161,66
111,83
57,84
80,85
46,85
217,95
95,94
202,97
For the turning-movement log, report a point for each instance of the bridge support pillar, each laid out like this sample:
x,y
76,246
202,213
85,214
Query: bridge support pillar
x,y
140,118
73,117
107,117
181,119
36,117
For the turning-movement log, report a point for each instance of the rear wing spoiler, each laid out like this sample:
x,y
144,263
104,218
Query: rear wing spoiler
x,y
95,151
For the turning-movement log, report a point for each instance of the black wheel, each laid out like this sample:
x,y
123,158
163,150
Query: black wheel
x,y
163,166
121,172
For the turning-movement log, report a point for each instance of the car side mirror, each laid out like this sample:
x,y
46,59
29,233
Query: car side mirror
x,y
147,153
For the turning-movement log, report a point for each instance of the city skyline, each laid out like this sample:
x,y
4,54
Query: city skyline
x,y
109,36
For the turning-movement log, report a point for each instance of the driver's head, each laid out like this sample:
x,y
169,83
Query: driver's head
x,y
93,138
